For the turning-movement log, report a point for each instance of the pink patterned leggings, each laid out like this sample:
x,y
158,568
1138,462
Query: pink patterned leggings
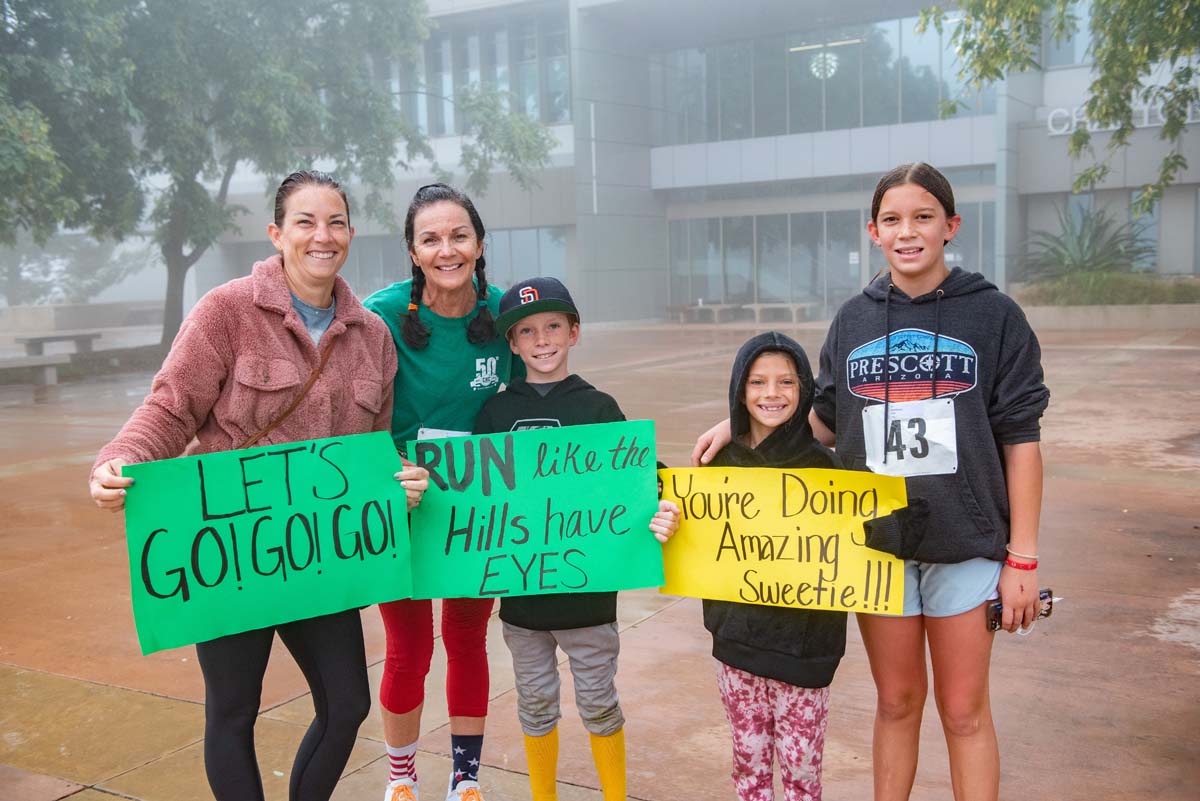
x,y
772,718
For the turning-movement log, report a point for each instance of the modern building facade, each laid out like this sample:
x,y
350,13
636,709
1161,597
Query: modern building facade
x,y
712,152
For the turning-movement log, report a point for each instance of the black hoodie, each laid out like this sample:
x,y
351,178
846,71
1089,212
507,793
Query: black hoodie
x,y
572,402
798,646
879,350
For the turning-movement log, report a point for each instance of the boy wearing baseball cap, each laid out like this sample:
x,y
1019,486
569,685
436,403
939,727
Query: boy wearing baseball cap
x,y
541,322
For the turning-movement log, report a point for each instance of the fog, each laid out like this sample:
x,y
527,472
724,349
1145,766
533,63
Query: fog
x,y
695,173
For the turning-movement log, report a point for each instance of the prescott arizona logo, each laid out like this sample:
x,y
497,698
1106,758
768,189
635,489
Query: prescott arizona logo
x,y
911,367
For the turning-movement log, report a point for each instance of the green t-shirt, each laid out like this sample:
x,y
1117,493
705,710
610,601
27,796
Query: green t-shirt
x,y
445,385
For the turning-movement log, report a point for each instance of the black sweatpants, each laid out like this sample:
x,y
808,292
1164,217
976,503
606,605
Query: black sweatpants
x,y
329,650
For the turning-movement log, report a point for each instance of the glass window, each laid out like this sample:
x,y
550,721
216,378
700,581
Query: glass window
x,y
675,98
680,286
410,81
494,58
770,87
556,105
736,70
987,248
805,85
525,67
737,236
771,258
499,259
842,257
1147,225
696,98
839,63
880,82
552,252
524,253
1073,49
712,96
920,71
963,250
806,241
705,252
439,67
466,59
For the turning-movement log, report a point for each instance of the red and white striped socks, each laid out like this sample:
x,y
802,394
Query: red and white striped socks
x,y
402,762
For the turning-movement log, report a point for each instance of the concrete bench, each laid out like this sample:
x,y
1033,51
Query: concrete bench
x,y
798,311
35,344
47,366
714,311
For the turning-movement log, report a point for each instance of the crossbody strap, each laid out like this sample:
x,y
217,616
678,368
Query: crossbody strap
x,y
312,379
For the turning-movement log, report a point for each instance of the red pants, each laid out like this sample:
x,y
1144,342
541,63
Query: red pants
x,y
409,626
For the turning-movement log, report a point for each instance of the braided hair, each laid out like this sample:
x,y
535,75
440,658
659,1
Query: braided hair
x,y
482,327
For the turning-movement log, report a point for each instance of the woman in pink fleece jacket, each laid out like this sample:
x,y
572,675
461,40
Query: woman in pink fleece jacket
x,y
241,357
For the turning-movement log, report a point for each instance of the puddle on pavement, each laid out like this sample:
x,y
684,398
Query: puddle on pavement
x,y
1181,623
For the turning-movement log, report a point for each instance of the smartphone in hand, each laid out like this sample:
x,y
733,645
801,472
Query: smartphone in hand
x,y
995,610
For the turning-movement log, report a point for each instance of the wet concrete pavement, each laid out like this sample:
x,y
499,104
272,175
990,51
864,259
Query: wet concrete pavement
x,y
1100,702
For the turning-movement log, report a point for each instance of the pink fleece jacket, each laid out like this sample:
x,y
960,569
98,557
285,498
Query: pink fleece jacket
x,y
241,357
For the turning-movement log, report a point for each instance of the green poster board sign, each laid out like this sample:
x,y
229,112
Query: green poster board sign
x,y
239,540
539,511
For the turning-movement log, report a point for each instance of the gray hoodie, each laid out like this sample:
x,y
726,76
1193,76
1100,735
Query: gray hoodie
x,y
966,344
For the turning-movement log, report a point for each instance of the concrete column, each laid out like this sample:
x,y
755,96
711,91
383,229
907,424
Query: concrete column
x,y
1017,98
620,254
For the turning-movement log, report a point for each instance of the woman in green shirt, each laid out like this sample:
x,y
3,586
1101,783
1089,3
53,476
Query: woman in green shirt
x,y
450,361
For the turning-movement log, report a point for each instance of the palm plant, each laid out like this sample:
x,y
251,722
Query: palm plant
x,y
1091,242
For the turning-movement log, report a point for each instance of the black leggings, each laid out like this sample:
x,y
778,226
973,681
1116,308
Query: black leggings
x,y
329,650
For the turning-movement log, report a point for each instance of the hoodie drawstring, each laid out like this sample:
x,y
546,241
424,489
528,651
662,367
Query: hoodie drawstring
x,y
887,362
937,330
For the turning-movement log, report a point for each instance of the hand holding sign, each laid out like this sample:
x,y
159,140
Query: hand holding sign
x,y
107,485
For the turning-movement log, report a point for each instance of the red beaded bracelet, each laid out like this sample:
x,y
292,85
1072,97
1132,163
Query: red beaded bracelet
x,y
1021,565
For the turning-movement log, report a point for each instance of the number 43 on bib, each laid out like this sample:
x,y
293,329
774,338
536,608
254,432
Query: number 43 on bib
x,y
920,438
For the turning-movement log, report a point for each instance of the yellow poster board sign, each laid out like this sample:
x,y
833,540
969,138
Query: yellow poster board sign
x,y
783,537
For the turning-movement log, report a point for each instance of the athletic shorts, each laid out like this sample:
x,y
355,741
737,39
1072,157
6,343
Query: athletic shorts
x,y
938,590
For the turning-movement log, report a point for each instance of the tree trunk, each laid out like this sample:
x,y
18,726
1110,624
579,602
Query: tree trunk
x,y
177,270
14,283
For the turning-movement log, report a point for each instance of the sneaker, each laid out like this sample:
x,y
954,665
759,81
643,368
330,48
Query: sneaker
x,y
402,790
465,791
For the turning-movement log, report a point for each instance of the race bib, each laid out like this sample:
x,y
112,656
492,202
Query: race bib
x,y
440,433
920,440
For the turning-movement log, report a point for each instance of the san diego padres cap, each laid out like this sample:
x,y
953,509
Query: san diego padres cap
x,y
532,296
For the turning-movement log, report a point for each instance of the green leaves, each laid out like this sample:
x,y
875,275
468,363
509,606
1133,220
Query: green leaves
x,y
496,135
1141,50
107,106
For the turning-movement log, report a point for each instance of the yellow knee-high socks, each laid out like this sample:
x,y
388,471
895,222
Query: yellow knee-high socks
x,y
609,754
542,755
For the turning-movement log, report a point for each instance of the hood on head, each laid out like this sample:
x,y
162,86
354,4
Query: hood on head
x,y
790,433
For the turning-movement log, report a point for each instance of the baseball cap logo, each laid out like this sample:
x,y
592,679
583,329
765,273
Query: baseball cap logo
x,y
528,295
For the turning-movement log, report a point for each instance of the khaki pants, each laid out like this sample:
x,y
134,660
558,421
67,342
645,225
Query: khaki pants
x,y
592,652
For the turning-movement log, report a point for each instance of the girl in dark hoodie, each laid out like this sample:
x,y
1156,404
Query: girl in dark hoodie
x,y
932,374
775,663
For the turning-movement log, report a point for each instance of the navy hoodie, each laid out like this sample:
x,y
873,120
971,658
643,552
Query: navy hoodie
x,y
572,402
798,646
965,341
